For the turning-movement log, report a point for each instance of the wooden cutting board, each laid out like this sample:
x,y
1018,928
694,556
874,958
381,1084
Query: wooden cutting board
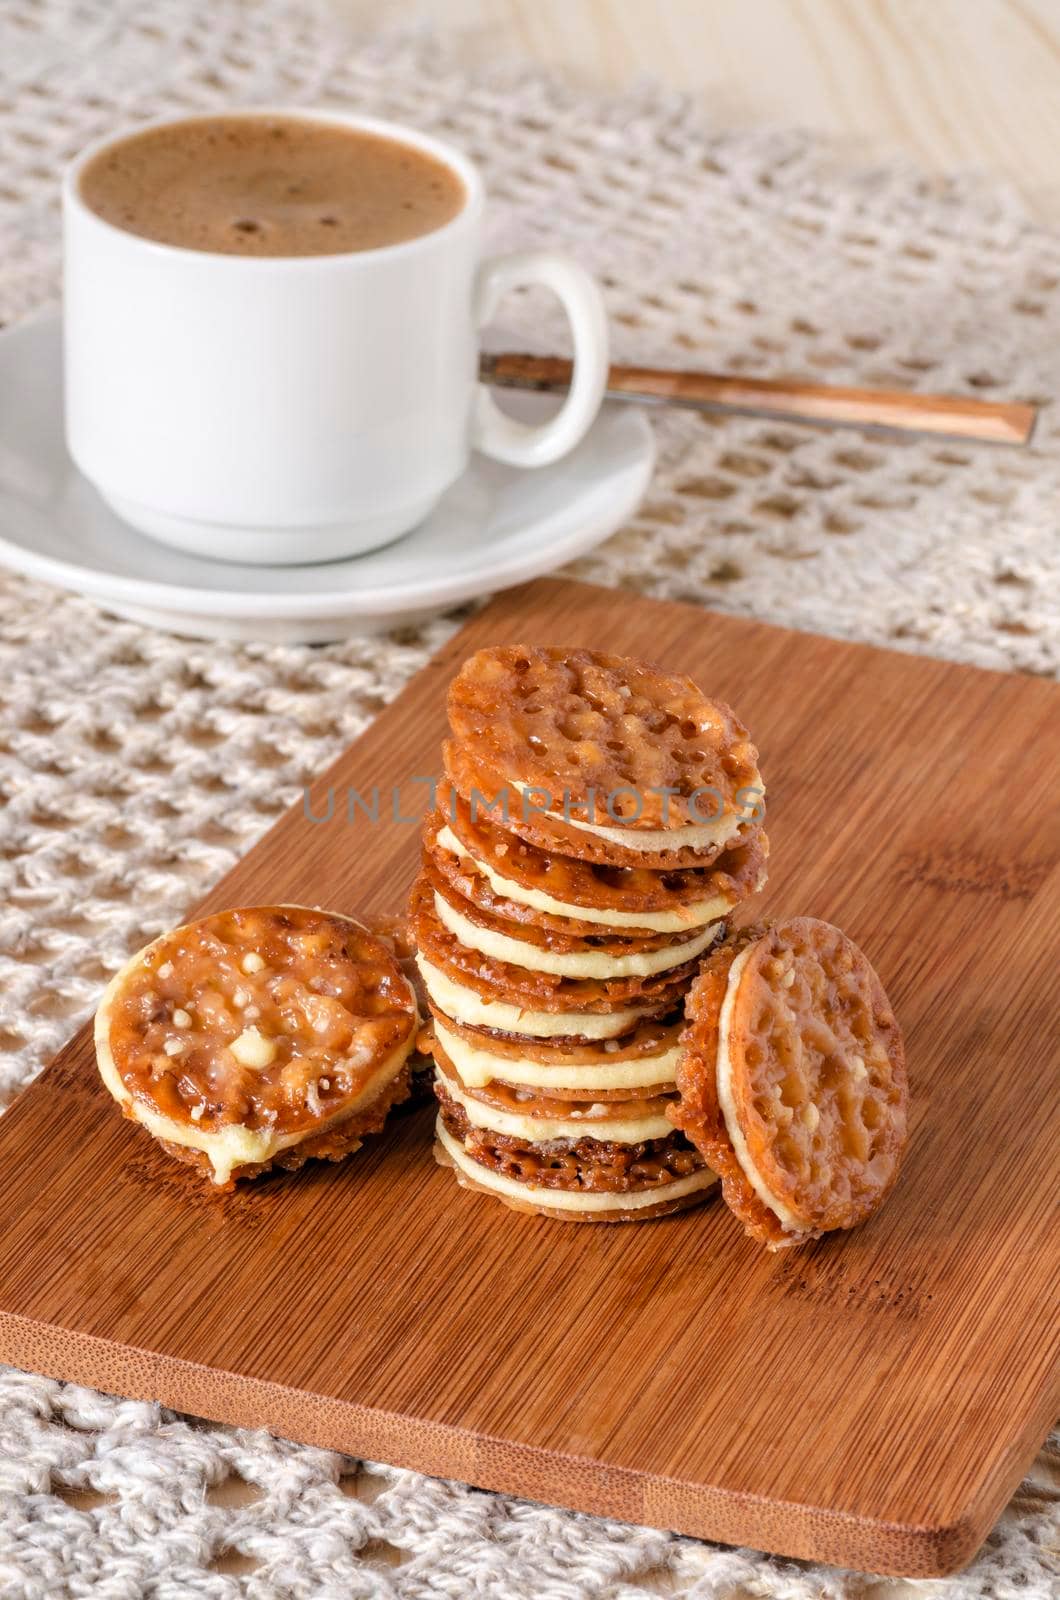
x,y
871,1400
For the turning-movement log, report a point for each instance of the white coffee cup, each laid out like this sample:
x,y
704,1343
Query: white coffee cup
x,y
299,408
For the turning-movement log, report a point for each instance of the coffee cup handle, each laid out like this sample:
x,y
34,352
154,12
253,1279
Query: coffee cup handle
x,y
503,437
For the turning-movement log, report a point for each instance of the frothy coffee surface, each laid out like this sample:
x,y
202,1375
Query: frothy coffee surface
x,y
270,186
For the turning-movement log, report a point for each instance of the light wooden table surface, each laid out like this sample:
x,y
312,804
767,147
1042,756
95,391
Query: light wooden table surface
x,y
953,83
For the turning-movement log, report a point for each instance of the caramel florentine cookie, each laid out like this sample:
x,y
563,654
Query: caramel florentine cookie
x,y
394,931
793,1083
481,1008
580,939
646,1039
530,988
257,1037
547,1107
602,757
615,843
539,1117
601,723
338,1140
573,1180
642,1062
647,1206
514,879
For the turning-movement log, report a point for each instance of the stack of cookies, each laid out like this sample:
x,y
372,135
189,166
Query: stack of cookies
x,y
600,821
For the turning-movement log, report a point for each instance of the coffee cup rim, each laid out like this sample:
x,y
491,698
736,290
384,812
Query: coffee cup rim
x,y
400,132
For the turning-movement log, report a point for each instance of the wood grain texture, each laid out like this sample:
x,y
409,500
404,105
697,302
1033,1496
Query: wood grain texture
x,y
954,416
871,1400
954,84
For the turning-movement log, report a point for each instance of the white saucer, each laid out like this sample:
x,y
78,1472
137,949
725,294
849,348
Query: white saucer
x,y
498,526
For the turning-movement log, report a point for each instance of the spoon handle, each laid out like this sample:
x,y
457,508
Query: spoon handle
x,y
995,422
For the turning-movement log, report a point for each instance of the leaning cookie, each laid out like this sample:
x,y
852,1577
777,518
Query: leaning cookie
x,y
792,1082
258,1037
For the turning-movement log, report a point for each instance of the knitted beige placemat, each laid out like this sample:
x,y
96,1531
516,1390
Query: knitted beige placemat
x,y
135,768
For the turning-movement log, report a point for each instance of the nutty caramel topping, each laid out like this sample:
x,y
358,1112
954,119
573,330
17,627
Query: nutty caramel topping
x,y
271,1017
